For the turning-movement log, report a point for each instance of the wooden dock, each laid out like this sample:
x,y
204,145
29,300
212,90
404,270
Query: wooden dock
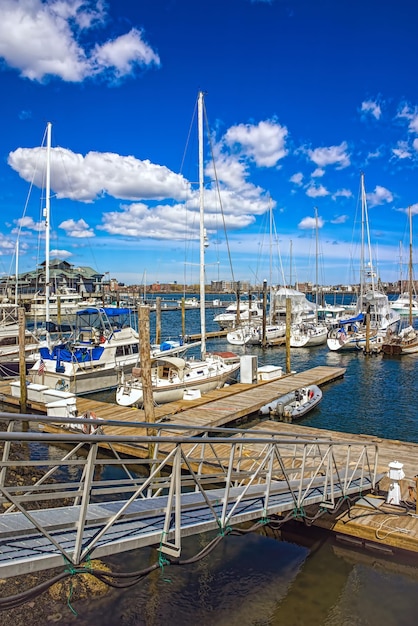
x,y
221,407
368,524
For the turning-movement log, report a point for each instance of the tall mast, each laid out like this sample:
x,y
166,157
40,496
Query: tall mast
x,y
202,228
47,219
16,271
410,266
316,265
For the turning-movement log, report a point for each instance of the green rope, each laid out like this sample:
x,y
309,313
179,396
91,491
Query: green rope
x,y
223,530
72,571
72,609
162,561
299,513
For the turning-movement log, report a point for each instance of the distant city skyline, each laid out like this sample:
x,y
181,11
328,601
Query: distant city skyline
x,y
301,98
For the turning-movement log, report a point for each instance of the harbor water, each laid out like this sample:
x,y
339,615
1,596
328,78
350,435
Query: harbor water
x,y
288,577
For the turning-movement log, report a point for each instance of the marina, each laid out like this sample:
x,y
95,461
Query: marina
x,y
347,413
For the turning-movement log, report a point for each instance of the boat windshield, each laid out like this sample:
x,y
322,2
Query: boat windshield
x,y
102,319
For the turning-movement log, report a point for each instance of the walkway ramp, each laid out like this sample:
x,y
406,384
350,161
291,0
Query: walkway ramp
x,y
81,505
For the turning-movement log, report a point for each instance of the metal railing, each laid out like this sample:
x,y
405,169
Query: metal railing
x,y
82,495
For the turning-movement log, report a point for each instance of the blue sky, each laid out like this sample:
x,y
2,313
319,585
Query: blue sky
x,y
300,97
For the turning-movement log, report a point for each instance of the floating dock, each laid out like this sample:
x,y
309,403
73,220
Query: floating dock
x,y
370,523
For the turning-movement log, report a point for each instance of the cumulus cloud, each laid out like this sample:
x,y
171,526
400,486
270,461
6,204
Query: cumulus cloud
x,y
411,115
318,173
331,155
308,223
79,229
341,219
342,193
7,246
42,39
180,221
29,224
61,254
371,107
402,150
264,143
317,192
85,178
297,179
380,195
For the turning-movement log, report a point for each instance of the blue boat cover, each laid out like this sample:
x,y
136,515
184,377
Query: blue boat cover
x,y
110,311
358,318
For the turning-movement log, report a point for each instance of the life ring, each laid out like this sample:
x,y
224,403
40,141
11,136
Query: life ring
x,y
88,429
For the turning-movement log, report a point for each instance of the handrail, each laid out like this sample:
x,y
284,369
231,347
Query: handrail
x,y
223,480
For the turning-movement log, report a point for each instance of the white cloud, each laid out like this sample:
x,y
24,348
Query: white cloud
x,y
410,114
85,178
415,144
369,106
318,173
317,192
380,195
264,143
124,53
7,246
61,254
341,219
297,179
342,193
332,155
29,224
308,223
40,39
180,221
79,229
402,151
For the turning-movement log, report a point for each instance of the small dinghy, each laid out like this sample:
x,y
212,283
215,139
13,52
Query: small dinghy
x,y
293,405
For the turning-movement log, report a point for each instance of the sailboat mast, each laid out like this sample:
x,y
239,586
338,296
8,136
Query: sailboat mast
x,y
410,266
47,219
16,271
202,228
316,265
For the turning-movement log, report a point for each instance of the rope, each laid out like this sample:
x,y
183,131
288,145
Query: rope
x,y
391,530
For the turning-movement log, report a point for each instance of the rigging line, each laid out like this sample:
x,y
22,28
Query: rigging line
x,y
218,191
187,244
19,230
279,254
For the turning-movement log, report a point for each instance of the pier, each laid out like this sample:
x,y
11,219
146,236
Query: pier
x,y
191,472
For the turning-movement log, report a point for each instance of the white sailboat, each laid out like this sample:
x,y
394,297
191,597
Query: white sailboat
x,y
351,334
308,334
103,341
406,340
175,379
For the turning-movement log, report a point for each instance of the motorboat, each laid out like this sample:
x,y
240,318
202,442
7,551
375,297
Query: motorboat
x,y
249,310
104,342
294,404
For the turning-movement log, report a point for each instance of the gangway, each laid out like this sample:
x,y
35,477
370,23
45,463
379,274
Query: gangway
x,y
65,501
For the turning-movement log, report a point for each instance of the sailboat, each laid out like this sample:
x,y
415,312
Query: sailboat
x,y
103,342
406,341
175,379
354,332
307,334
